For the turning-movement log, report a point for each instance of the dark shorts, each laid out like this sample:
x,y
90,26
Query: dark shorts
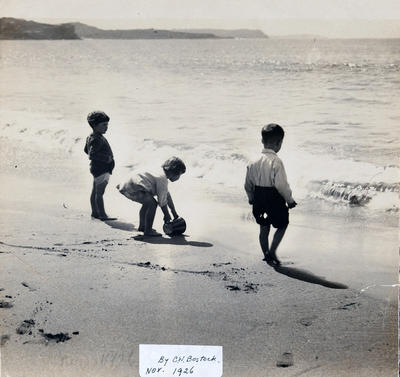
x,y
98,167
269,207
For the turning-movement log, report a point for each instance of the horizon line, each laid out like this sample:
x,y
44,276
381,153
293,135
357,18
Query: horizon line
x,y
283,35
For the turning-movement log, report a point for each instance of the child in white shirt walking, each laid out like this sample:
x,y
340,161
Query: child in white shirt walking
x,y
268,191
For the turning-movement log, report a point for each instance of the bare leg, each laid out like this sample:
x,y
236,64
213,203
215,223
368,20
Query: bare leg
x,y
95,212
99,192
279,233
151,207
147,213
142,218
264,233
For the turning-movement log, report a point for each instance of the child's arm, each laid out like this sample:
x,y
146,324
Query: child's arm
x,y
249,186
281,183
93,150
164,199
171,206
167,216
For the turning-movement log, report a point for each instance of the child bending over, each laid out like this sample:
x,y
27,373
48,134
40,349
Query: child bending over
x,y
142,188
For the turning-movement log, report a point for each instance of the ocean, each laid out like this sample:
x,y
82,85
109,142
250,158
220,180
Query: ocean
x,y
206,101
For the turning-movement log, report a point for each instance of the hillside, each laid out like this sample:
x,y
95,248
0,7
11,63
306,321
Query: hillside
x,y
234,33
12,28
86,31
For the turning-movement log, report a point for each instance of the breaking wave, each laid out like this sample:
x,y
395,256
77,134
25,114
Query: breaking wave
x,y
378,195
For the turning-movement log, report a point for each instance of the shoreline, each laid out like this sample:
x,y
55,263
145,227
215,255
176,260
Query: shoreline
x,y
66,274
78,296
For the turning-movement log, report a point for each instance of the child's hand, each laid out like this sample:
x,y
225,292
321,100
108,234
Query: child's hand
x,y
292,204
174,213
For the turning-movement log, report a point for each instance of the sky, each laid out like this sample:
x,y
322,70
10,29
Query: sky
x,y
331,18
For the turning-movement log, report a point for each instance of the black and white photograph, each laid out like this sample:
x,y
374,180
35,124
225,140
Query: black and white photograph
x,y
199,188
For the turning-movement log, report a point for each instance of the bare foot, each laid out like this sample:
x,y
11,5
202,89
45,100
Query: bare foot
x,y
152,233
274,262
267,258
141,237
275,259
141,229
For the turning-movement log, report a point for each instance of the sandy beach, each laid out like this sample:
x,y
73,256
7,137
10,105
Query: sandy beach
x,y
78,295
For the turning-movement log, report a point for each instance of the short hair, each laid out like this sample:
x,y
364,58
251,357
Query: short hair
x,y
96,117
174,165
272,132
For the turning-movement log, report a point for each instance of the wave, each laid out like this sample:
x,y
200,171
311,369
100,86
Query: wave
x,y
317,65
381,195
364,101
220,166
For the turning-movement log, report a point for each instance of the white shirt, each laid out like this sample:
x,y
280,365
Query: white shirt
x,y
154,183
267,171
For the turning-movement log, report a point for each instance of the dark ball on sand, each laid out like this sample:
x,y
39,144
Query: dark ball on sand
x,y
175,227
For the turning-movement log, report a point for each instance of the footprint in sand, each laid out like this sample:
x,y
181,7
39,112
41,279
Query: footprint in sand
x,y
4,339
285,361
27,286
232,287
250,287
221,264
56,338
351,305
25,326
5,304
58,133
307,321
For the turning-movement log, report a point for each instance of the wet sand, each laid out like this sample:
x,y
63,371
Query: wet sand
x,y
78,295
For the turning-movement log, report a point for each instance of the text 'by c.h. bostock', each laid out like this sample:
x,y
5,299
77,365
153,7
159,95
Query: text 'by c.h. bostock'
x,y
180,360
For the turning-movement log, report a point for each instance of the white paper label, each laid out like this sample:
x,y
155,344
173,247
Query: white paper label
x,y
180,360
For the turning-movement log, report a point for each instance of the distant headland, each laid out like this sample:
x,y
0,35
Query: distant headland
x,y
13,28
234,33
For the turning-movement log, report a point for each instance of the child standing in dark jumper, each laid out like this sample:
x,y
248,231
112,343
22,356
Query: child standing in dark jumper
x,y
268,191
101,162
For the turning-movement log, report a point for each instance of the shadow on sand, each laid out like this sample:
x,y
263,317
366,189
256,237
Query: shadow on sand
x,y
121,225
177,240
308,277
